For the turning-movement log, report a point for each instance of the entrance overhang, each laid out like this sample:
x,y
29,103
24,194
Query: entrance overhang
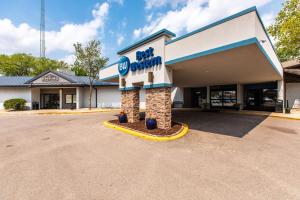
x,y
241,62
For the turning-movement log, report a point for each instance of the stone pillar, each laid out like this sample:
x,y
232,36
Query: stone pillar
x,y
158,106
130,104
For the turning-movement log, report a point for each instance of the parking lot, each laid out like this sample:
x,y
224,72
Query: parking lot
x,y
224,156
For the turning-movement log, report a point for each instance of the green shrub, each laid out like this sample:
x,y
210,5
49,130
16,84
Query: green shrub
x,y
15,104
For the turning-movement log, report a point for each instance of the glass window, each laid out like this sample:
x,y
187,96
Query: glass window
x,y
216,95
269,97
68,98
229,94
216,102
223,97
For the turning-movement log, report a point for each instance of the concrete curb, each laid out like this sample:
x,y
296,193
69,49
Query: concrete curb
x,y
181,133
58,112
275,115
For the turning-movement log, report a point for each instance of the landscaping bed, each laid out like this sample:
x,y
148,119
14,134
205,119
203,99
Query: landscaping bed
x,y
140,126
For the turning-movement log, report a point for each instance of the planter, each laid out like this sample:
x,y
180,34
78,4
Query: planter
x,y
151,124
123,118
287,110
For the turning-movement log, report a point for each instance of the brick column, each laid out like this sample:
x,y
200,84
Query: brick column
x,y
158,106
130,104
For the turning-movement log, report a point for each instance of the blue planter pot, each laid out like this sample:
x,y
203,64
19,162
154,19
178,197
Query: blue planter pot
x,y
123,118
151,124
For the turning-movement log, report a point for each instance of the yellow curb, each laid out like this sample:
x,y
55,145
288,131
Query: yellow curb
x,y
72,113
182,133
283,117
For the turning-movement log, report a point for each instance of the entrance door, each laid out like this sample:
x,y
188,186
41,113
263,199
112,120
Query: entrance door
x,y
199,97
50,101
223,96
261,96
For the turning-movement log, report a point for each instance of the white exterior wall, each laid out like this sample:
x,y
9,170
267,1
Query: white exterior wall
x,y
85,93
232,31
108,97
293,94
261,36
161,74
79,97
177,94
35,95
142,98
109,71
11,93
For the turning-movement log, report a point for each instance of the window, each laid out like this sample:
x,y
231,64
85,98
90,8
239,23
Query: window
x,y
223,96
70,98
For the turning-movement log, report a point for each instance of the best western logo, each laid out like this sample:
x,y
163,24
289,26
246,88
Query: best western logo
x,y
145,59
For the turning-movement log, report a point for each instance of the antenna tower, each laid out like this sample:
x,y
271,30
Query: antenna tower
x,y
42,30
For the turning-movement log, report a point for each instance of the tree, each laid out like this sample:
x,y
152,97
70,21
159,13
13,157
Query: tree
x,y
286,31
16,65
45,64
27,65
90,60
78,70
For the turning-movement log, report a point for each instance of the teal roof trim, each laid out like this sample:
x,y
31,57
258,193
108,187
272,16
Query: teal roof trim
x,y
107,66
249,41
147,39
109,77
214,24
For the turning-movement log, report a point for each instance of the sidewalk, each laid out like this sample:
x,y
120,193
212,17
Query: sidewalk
x,y
295,114
58,111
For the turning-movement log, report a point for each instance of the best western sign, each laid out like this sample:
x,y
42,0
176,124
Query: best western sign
x,y
145,59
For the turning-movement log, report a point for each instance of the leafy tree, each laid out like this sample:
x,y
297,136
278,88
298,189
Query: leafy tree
x,y
16,65
286,31
89,59
45,64
78,70
27,65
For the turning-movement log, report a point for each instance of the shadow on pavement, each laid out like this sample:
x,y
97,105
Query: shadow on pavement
x,y
236,125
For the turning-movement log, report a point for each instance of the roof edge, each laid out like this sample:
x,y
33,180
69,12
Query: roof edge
x,y
109,65
241,13
147,39
46,72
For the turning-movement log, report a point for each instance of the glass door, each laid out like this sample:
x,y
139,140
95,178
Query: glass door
x,y
223,96
261,96
50,101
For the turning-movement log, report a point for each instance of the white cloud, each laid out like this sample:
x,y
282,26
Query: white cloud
x,y
69,59
195,14
24,38
137,33
150,4
268,18
120,39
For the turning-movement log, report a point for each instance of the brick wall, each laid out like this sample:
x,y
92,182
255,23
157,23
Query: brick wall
x,y
158,106
130,101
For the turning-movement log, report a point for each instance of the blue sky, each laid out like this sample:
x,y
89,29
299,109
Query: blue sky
x,y
116,23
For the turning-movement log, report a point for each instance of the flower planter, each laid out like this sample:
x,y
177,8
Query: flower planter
x,y
151,124
123,118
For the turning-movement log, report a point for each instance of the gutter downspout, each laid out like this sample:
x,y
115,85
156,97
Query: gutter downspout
x,y
96,96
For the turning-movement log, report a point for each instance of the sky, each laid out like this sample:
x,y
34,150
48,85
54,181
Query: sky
x,y
115,23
